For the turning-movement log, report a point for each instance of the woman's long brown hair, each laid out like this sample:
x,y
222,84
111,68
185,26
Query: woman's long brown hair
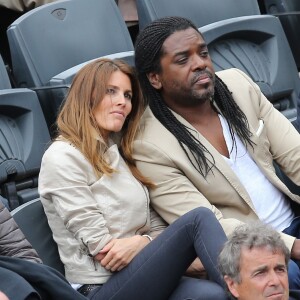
x,y
76,122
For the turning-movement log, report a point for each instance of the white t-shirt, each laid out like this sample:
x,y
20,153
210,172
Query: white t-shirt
x,y
270,204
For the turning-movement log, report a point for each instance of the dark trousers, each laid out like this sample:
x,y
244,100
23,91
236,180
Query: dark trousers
x,y
21,279
294,271
156,272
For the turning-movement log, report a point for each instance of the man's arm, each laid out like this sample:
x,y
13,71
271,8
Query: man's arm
x,y
283,138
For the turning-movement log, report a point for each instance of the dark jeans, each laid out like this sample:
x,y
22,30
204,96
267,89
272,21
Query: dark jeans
x,y
156,272
25,280
294,271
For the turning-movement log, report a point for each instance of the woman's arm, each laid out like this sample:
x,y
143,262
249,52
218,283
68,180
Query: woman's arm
x,y
66,180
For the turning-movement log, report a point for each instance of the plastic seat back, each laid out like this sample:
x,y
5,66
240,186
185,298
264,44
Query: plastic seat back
x,y
33,222
288,12
23,139
258,46
198,11
4,79
66,77
55,37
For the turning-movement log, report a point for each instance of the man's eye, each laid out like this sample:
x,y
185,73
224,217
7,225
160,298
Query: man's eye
x,y
182,60
281,270
204,53
259,273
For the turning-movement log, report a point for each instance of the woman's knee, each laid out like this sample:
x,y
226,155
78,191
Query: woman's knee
x,y
203,214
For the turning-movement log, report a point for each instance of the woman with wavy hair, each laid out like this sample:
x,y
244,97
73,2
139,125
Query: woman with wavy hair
x,y
112,243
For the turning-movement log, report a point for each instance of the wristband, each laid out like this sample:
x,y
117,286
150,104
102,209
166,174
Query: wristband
x,y
148,237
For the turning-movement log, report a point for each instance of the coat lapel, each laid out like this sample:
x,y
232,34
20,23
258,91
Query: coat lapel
x,y
220,163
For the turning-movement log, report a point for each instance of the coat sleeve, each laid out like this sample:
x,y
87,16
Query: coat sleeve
x,y
64,180
12,240
283,138
157,224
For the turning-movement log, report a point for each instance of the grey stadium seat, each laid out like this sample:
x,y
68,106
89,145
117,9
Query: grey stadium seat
x,y
258,46
58,36
238,36
23,138
33,222
4,79
199,11
288,12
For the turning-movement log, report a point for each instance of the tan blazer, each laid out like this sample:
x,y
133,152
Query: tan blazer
x,y
181,188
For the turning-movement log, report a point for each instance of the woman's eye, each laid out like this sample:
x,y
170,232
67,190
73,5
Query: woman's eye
x,y
128,96
110,91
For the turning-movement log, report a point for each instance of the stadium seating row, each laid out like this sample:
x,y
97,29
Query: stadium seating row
x,y
51,43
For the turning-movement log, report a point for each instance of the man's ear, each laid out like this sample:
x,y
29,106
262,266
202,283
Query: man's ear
x,y
232,286
154,80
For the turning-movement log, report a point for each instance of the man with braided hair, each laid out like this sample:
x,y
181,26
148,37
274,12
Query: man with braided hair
x,y
210,139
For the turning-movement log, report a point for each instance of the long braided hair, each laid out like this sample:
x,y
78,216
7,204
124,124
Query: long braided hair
x,y
148,51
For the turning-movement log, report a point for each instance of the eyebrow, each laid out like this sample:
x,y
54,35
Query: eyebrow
x,y
280,266
118,88
259,269
184,52
264,268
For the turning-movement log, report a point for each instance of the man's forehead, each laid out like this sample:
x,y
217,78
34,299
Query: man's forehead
x,y
182,39
257,255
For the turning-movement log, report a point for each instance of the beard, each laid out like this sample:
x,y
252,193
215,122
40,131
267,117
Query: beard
x,y
191,95
202,96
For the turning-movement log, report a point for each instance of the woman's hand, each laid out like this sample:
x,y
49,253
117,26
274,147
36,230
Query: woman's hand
x,y
196,270
118,253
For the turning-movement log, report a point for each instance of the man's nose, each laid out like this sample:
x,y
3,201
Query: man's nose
x,y
198,62
274,278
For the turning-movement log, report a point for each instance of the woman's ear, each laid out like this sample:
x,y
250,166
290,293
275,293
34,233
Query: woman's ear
x,y
154,80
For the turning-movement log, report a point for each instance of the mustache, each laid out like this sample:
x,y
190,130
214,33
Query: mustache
x,y
199,74
276,290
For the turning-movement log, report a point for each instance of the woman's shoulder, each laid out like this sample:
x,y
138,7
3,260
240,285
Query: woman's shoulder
x,y
61,150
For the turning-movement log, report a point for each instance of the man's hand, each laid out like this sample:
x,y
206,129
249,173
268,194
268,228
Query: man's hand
x,y
196,270
118,253
295,252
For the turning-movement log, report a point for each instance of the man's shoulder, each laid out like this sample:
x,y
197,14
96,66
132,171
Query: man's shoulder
x,y
236,78
150,124
152,131
233,73
240,85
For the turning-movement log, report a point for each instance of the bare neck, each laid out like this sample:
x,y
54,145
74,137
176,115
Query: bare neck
x,y
206,121
196,115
